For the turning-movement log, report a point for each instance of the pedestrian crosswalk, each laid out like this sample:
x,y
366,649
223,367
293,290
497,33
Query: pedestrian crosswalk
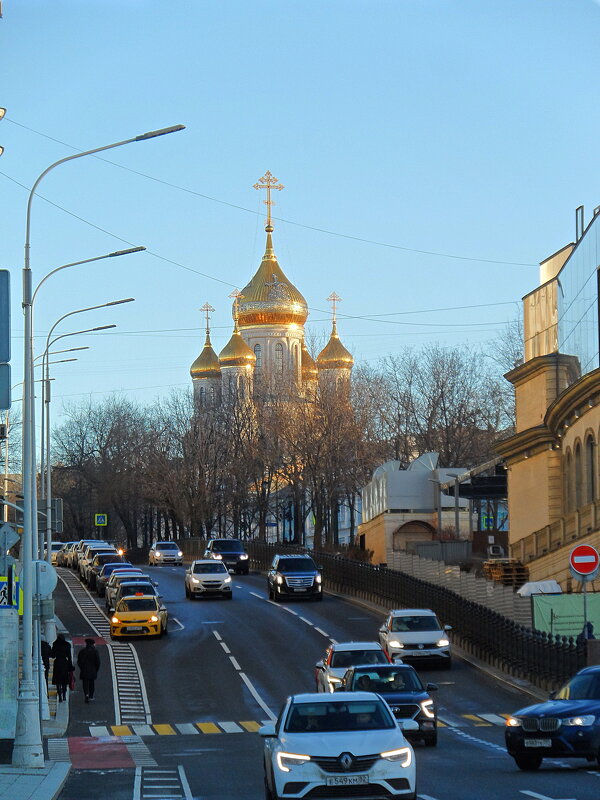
x,y
210,727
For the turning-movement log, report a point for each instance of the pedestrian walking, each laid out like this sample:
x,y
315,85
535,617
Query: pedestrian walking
x,y
63,666
88,662
46,651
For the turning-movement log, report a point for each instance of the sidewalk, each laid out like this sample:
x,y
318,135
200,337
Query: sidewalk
x,y
45,783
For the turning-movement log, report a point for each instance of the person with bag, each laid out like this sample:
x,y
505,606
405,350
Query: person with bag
x,y
88,662
63,666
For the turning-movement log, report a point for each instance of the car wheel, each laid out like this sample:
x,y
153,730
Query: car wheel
x,y
269,592
268,793
430,740
230,596
528,763
166,628
318,597
598,758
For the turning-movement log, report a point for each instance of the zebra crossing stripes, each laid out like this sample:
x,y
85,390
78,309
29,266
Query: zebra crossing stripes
x,y
58,750
169,782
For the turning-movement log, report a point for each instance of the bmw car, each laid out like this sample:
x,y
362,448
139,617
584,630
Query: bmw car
x,y
567,725
330,746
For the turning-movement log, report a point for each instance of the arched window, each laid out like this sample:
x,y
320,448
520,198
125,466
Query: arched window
x,y
258,354
578,477
279,359
202,394
567,471
213,394
590,470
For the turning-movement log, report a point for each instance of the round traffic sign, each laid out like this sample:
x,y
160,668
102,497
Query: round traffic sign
x,y
584,559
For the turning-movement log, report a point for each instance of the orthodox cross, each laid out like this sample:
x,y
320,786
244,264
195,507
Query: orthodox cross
x,y
268,182
237,296
334,299
207,309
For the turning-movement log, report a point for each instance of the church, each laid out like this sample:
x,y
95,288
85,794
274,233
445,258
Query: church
x,y
267,346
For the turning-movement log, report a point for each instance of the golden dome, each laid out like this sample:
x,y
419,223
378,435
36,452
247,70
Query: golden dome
x,y
270,298
207,363
309,368
236,352
334,355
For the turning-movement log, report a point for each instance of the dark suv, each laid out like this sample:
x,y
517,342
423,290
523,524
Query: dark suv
x,y
294,576
231,552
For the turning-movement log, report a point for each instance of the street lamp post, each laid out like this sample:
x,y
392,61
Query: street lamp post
x,y
27,749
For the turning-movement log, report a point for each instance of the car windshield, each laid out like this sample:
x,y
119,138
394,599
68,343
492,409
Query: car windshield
x,y
135,604
338,716
116,566
214,566
56,546
581,687
108,558
415,624
132,588
129,578
167,546
386,681
343,659
227,547
296,565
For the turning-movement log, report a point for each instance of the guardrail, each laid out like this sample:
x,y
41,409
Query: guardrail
x,y
544,660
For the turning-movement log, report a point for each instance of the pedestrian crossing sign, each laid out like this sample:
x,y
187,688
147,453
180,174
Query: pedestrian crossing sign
x,y
10,590
100,520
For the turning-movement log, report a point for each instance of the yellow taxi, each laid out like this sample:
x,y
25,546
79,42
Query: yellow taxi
x,y
139,615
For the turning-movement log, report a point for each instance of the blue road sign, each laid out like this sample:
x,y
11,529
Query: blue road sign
x,y
4,316
4,387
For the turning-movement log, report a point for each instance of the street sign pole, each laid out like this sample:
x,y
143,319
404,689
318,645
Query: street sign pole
x,y
584,564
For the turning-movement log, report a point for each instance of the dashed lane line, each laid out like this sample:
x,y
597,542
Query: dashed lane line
x,y
224,646
235,663
322,632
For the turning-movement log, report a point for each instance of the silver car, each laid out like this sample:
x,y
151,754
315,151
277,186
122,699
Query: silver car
x,y
416,634
207,577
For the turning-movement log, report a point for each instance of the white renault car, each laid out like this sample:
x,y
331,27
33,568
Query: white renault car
x,y
207,577
343,745
417,635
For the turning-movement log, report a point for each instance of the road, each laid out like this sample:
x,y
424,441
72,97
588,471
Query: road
x,y
186,727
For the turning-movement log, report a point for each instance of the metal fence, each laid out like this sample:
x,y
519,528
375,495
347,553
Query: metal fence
x,y
540,658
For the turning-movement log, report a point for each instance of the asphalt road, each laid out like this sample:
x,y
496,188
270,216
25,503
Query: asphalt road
x,y
227,666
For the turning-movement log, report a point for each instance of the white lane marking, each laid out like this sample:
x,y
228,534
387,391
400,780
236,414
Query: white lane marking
x,y
451,723
217,636
475,740
237,586
322,632
143,730
255,594
308,622
224,646
187,728
333,641
257,697
426,797
99,730
184,784
137,783
230,727
181,626
495,719
235,663
289,610
542,796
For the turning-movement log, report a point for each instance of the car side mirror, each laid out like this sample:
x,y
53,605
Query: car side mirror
x,y
408,725
320,664
320,568
267,730
447,627
383,629
432,687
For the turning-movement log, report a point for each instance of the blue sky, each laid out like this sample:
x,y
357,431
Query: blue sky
x,y
459,127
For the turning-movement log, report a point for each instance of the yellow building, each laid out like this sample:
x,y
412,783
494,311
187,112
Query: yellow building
x,y
553,458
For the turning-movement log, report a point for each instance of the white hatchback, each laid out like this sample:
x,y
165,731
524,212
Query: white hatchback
x,y
207,577
323,744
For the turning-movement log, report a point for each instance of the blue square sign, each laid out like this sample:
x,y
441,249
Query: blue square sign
x,y
4,316
4,387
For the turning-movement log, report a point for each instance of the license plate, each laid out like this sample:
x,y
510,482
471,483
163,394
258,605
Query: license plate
x,y
135,628
301,589
537,742
347,780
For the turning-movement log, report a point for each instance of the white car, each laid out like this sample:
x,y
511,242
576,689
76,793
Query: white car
x,y
416,634
323,743
340,656
165,553
207,577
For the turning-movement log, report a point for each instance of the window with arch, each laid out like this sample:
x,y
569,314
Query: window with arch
x,y
279,359
590,469
258,354
578,477
202,394
213,394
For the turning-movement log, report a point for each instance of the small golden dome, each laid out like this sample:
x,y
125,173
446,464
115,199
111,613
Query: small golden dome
x,y
334,355
270,298
207,363
309,368
236,352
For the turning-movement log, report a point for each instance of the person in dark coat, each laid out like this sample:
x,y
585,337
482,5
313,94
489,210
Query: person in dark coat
x,y
63,666
88,662
46,651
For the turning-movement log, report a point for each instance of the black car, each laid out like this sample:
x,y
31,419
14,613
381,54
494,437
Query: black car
x,y
401,688
231,552
294,576
566,725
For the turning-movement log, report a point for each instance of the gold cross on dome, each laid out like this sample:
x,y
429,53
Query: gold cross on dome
x,y
334,299
207,309
237,296
268,182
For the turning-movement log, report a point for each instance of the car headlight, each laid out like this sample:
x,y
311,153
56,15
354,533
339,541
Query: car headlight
x,y
120,551
115,620
227,579
217,555
195,580
443,642
279,579
317,579
403,755
153,618
287,760
585,719
513,722
179,553
243,556
395,643
427,708
157,554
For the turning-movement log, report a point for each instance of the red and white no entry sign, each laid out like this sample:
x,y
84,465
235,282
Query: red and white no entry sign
x,y
584,559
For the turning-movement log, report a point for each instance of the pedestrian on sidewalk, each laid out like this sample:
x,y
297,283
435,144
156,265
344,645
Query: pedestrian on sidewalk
x,y
88,662
46,651
63,666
